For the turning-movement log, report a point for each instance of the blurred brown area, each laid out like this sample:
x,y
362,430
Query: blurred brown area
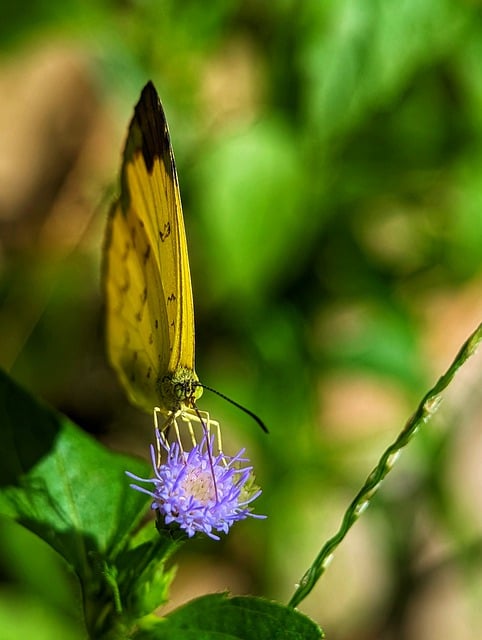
x,y
49,111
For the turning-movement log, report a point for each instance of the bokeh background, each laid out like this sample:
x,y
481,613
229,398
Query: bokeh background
x,y
330,161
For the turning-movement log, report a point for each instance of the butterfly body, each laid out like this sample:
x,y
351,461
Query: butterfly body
x,y
149,303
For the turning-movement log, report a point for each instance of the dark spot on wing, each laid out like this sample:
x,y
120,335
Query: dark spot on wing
x,y
149,371
171,298
151,338
156,323
163,235
146,254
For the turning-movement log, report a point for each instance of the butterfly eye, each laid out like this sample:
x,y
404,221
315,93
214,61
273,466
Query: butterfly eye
x,y
182,390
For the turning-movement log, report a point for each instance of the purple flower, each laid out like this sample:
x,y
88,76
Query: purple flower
x,y
200,491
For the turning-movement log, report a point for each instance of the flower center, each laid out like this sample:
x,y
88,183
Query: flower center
x,y
199,484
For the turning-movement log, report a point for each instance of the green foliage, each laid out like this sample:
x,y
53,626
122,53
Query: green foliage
x,y
72,493
61,484
329,156
217,616
238,221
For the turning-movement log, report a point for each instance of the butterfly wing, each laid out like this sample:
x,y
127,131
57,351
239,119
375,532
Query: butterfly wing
x,y
149,305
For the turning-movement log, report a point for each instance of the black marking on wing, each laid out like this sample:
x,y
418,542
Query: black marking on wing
x,y
143,299
163,235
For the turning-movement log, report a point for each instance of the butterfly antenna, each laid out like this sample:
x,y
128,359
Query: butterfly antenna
x,y
239,406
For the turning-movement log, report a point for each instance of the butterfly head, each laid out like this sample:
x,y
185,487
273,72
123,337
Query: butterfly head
x,y
181,388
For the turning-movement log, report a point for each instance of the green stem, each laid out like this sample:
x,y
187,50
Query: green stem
x,y
109,612
424,412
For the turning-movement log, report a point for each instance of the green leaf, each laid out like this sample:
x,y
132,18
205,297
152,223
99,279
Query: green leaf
x,y
358,55
142,579
61,484
73,493
223,618
249,188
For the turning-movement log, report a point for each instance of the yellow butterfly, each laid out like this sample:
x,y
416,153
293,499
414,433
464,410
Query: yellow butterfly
x,y
149,305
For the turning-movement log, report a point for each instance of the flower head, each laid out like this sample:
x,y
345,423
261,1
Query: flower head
x,y
198,490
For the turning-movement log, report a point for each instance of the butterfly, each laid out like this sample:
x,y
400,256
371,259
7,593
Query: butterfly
x,y
147,282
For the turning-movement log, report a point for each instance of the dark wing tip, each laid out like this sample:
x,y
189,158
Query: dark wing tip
x,y
149,132
151,89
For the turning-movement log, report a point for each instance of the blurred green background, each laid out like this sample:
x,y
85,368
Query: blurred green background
x,y
330,161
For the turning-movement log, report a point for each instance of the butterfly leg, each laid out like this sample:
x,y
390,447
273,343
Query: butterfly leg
x,y
168,421
212,426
